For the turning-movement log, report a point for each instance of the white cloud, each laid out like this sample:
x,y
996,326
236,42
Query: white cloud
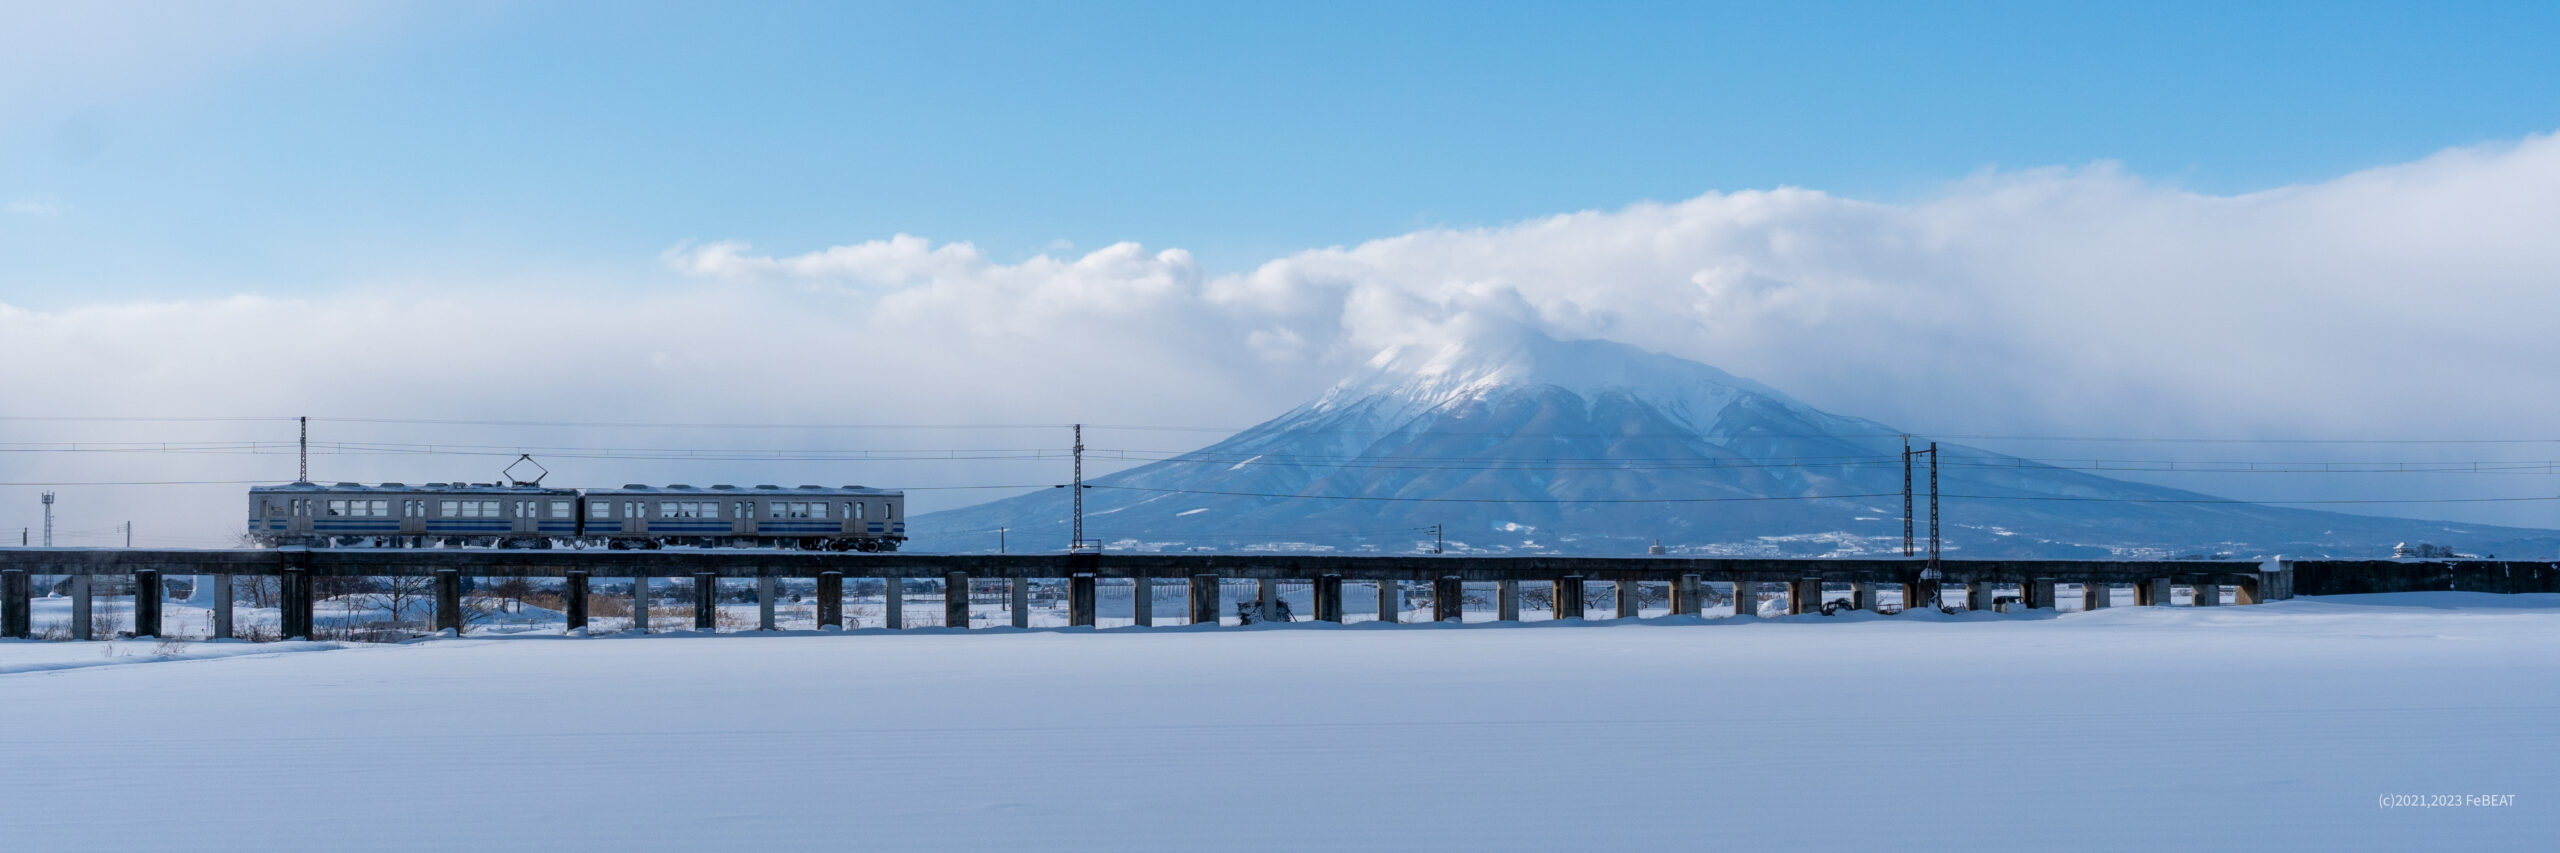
x,y
2408,301
35,208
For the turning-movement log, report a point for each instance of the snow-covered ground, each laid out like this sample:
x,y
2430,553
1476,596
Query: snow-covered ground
x,y
2280,726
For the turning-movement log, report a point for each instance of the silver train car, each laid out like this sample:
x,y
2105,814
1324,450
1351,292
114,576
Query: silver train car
x,y
453,515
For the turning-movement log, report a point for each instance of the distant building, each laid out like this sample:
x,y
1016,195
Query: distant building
x,y
2425,551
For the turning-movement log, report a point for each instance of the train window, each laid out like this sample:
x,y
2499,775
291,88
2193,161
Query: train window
x,y
888,510
688,509
599,509
818,510
337,508
378,509
448,509
559,509
856,511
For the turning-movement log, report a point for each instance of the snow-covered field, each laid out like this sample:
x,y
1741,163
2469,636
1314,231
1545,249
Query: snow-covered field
x,y
2279,726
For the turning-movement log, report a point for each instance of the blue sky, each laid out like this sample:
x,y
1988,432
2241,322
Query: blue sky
x,y
581,140
2260,221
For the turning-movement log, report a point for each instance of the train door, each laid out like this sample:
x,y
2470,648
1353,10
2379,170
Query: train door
x,y
745,523
527,514
635,515
413,516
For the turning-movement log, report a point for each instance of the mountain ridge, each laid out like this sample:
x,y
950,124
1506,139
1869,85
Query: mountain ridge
x,y
1521,444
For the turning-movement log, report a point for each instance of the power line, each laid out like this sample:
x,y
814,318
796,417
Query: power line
x,y
1238,458
2238,501
669,425
1392,498
1496,500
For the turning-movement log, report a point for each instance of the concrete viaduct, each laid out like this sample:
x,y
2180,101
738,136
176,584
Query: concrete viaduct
x,y
1804,580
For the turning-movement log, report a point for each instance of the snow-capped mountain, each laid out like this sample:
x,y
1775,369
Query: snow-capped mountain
x,y
1527,445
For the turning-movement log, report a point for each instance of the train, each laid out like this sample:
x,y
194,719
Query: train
x,y
529,515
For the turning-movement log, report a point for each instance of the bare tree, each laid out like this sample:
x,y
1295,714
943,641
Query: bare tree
x,y
513,590
402,592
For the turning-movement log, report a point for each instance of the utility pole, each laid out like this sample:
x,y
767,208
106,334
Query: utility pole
x,y
1906,495
305,446
1436,540
128,534
1923,592
1079,531
999,540
48,519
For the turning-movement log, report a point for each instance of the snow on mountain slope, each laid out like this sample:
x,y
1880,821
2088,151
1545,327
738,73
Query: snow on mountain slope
x,y
1521,444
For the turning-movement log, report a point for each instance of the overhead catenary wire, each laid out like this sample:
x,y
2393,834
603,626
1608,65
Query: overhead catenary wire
x,y
592,424
1750,498
1243,458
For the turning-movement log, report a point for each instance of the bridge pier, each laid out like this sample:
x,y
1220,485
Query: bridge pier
x,y
955,600
1806,597
1684,596
1568,597
2097,596
83,609
449,601
1506,600
16,604
2038,593
293,594
1080,600
1921,593
1626,590
640,604
706,602
1746,598
830,601
222,595
764,603
1390,601
1980,595
893,604
2246,591
1204,599
1861,595
1328,598
2208,593
1142,601
146,603
573,601
1266,598
1448,599
1019,603
2152,592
